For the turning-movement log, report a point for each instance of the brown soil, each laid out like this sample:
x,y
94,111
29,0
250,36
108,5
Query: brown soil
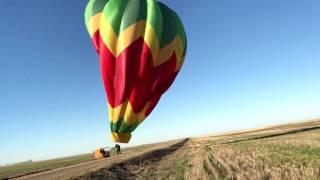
x,y
92,166
282,152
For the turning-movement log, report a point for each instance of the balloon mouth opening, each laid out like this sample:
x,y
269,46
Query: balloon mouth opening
x,y
120,137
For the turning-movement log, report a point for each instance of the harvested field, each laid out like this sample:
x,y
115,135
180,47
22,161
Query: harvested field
x,y
282,152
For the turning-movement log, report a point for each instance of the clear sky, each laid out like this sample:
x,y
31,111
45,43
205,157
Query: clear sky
x,y
249,63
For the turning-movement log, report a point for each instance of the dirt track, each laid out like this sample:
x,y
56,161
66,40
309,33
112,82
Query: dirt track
x,y
148,165
92,166
283,152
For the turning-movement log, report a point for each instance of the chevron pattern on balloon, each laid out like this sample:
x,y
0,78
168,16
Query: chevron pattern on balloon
x,y
141,46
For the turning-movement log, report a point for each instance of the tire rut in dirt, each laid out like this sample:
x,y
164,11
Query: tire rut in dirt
x,y
220,167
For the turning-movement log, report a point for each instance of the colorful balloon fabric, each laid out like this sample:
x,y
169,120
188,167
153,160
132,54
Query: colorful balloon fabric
x,y
141,46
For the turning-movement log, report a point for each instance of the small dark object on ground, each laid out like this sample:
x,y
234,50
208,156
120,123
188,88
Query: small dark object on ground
x,y
118,149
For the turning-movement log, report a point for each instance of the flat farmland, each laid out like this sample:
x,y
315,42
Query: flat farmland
x,y
290,151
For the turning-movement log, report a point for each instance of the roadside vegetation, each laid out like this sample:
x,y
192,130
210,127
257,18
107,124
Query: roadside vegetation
x,y
20,169
287,156
282,152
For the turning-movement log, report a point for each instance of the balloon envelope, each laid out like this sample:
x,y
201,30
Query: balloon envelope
x,y
141,46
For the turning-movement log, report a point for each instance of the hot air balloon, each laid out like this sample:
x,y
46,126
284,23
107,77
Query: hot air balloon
x,y
141,46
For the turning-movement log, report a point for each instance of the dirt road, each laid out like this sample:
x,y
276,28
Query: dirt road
x,y
91,166
283,152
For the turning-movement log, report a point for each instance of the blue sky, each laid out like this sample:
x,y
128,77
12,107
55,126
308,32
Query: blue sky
x,y
249,64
